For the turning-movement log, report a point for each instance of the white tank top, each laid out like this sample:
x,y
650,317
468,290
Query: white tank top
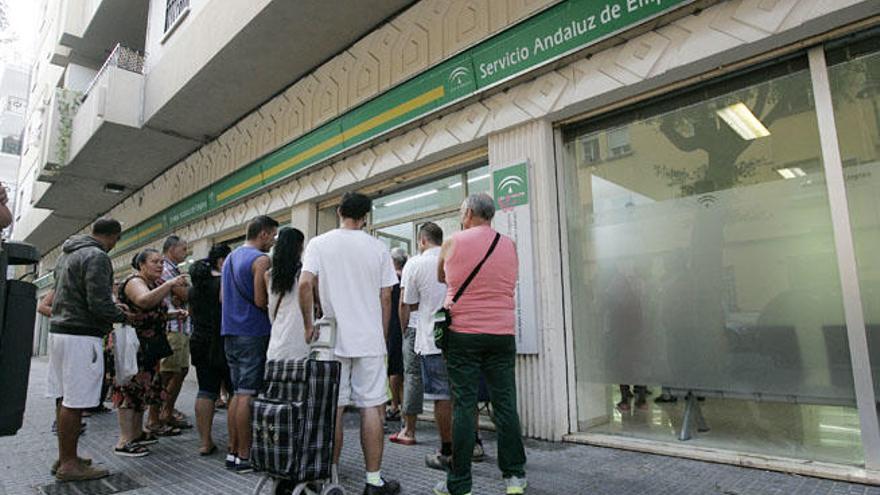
x,y
287,340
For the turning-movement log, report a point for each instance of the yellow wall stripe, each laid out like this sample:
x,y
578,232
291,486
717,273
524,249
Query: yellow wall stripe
x,y
364,127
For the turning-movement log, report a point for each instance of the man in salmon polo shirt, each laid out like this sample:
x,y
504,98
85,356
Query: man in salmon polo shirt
x,y
482,339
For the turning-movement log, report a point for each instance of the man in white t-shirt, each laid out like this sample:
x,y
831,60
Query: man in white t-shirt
x,y
422,295
356,277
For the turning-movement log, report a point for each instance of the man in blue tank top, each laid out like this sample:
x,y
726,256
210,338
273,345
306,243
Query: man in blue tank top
x,y
245,329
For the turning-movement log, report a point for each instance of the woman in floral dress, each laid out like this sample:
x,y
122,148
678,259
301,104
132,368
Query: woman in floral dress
x,y
142,294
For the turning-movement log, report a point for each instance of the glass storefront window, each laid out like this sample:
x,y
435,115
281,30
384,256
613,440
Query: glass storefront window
x,y
702,259
479,181
855,90
444,193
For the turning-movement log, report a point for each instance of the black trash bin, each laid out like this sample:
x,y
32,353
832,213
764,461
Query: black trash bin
x,y
17,313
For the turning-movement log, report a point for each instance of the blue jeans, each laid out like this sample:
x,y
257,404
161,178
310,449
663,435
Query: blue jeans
x,y
246,356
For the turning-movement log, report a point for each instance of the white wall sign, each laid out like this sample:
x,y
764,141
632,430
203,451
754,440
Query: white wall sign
x,y
514,219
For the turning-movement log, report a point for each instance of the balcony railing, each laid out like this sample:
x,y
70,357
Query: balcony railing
x,y
121,57
173,9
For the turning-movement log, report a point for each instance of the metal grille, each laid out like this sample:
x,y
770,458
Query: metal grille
x,y
115,483
173,9
121,57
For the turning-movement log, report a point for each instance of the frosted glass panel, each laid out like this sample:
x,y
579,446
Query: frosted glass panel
x,y
855,88
701,256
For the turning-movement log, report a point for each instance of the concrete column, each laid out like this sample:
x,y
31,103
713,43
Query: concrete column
x,y
542,377
200,248
304,217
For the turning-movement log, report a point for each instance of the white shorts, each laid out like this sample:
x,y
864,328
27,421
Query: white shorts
x,y
76,370
364,381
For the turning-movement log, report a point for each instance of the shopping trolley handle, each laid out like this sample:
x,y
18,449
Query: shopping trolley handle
x,y
324,341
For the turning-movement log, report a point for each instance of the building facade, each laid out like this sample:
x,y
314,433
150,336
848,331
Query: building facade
x,y
690,184
13,107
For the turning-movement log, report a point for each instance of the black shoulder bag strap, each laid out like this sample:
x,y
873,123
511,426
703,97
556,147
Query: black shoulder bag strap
x,y
476,269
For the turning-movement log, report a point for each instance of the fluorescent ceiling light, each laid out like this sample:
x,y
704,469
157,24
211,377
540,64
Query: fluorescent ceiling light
x,y
479,177
786,173
410,198
743,121
791,173
455,185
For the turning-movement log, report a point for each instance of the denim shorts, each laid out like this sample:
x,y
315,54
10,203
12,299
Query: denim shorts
x,y
246,357
435,379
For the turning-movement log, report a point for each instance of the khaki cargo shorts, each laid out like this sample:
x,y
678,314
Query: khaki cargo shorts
x,y
179,361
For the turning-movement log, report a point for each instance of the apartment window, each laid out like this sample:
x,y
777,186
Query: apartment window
x,y
618,142
173,10
11,145
590,148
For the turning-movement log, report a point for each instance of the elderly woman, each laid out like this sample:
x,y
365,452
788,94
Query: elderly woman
x,y
142,293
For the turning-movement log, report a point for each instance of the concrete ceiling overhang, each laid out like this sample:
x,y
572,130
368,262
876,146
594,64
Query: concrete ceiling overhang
x,y
284,42
54,230
114,22
115,154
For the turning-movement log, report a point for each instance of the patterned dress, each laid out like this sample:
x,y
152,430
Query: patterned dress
x,y
145,388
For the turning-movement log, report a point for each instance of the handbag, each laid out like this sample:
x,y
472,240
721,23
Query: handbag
x,y
155,348
443,317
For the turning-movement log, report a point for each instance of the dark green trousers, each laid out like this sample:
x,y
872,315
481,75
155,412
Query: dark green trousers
x,y
495,356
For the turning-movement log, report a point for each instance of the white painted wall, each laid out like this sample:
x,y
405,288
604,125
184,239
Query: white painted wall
x,y
207,28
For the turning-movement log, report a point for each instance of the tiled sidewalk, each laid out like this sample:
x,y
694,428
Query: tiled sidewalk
x,y
554,468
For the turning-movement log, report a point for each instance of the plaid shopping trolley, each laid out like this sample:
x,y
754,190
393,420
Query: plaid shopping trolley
x,y
294,420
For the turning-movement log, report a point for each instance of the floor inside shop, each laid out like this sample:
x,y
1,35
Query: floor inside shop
x,y
803,431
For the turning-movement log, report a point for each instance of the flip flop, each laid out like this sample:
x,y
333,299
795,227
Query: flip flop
x,y
179,424
206,453
401,441
164,431
146,438
82,460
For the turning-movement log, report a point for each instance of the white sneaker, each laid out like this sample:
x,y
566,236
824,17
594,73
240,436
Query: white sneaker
x,y
515,486
440,489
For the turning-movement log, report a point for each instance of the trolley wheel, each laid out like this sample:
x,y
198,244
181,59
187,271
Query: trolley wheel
x,y
300,489
331,489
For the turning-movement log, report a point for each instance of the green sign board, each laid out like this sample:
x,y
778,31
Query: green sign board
x,y
511,186
564,28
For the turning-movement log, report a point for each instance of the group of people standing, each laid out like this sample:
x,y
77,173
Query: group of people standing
x,y
238,309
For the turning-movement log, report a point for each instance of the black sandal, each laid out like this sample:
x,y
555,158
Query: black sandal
x,y
164,431
131,450
146,438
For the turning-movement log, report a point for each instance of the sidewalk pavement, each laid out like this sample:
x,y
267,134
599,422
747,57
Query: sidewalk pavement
x,y
553,468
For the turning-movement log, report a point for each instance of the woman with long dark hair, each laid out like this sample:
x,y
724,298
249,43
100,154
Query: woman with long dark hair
x,y
206,344
288,331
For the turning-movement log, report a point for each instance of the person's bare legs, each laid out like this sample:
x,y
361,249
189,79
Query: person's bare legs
x,y
231,418
338,437
69,424
373,436
243,425
153,417
204,420
175,384
409,427
443,418
129,427
395,383
139,423
170,382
